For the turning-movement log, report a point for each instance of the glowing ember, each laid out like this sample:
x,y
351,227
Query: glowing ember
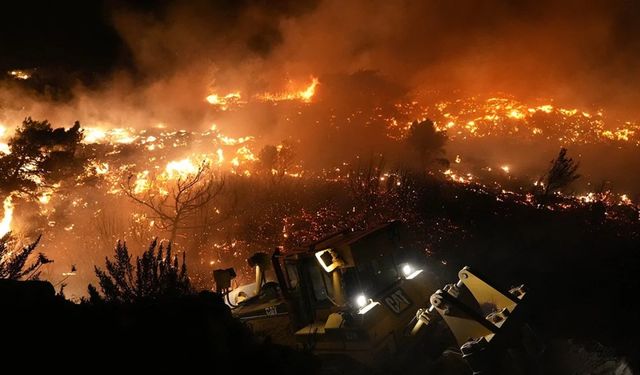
x,y
45,198
20,74
5,224
142,183
473,117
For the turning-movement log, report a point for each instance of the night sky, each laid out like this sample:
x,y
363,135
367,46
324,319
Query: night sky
x,y
75,36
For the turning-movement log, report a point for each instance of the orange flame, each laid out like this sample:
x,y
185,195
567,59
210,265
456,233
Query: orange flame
x,y
5,224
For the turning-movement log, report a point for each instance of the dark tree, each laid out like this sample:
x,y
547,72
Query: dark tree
x,y
277,160
268,157
13,259
157,273
40,156
427,141
562,173
172,211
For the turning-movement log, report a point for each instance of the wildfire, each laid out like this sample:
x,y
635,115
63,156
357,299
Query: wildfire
x,y
474,117
5,224
20,74
142,183
224,101
180,169
113,135
305,95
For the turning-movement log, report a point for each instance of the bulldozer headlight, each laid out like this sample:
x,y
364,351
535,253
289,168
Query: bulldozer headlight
x,y
361,301
409,272
329,260
365,304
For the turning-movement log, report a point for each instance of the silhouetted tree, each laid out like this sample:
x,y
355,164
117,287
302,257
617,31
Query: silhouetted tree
x,y
562,173
13,259
365,185
268,157
40,156
173,209
427,141
277,160
157,273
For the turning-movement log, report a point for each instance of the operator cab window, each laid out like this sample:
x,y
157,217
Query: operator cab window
x,y
321,282
292,275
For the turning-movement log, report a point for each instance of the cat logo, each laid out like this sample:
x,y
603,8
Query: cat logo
x,y
397,301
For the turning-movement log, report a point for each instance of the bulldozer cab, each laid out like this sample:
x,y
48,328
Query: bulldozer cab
x,y
344,270
350,291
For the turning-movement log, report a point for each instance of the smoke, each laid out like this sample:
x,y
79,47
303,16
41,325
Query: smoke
x,y
581,54
570,50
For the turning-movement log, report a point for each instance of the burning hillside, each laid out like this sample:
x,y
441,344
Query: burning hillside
x,y
131,178
363,151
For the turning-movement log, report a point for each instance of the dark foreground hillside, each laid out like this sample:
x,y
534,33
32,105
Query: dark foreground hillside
x,y
42,331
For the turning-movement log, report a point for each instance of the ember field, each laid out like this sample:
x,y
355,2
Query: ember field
x,y
496,147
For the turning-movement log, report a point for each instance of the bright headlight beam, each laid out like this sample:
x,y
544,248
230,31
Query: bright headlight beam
x,y
407,270
414,274
368,307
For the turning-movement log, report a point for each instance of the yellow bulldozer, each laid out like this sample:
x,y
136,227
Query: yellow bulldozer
x,y
368,296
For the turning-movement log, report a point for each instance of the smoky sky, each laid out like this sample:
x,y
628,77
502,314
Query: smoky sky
x,y
584,52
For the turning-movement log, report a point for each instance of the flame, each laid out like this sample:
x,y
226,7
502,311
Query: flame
x,y
305,95
142,183
228,141
310,91
20,74
5,224
180,168
4,147
224,101
94,135
115,135
45,198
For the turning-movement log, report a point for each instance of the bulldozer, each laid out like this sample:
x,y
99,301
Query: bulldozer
x,y
368,296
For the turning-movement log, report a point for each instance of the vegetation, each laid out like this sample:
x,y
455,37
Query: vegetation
x,y
277,160
172,210
40,156
155,274
13,259
427,141
561,174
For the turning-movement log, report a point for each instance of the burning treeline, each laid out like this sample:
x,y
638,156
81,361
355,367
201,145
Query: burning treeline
x,y
236,128
218,198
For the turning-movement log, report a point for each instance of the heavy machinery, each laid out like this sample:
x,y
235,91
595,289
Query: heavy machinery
x,y
359,294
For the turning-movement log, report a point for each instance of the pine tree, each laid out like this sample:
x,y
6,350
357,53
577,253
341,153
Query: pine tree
x,y
562,173
157,273
13,259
